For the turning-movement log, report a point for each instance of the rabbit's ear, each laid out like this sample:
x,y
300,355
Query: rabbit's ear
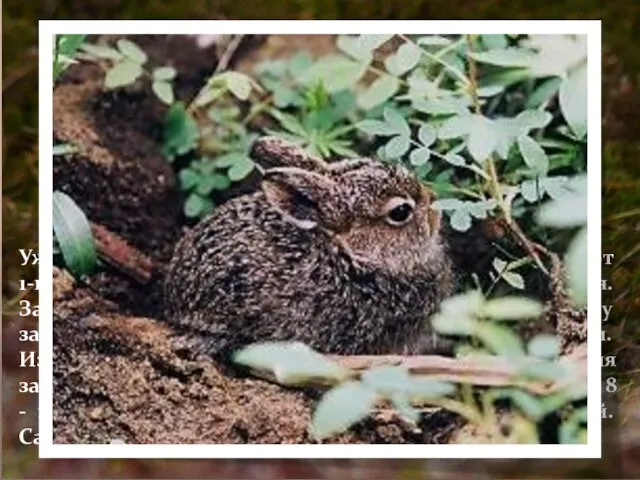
x,y
303,197
276,152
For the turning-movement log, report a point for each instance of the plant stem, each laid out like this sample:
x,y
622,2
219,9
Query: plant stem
x,y
436,58
493,183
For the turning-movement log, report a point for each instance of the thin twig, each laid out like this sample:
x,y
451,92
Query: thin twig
x,y
484,371
531,247
226,57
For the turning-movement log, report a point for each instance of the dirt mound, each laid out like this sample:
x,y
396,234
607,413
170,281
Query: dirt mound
x,y
129,378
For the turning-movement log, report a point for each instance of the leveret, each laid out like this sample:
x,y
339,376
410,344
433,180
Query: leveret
x,y
346,257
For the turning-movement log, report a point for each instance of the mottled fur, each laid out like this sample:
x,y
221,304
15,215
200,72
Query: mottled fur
x,y
311,258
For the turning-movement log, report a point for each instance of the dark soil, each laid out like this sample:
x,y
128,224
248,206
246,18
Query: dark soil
x,y
119,372
129,378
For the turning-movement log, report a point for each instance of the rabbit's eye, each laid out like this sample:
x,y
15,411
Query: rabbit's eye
x,y
400,212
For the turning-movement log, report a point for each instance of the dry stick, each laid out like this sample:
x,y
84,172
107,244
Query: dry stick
x,y
483,371
115,251
226,57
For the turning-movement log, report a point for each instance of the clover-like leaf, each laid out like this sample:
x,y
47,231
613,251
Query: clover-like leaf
x,y
397,146
342,407
164,73
499,339
419,156
406,57
533,155
132,51
163,90
122,74
544,346
383,88
291,362
511,308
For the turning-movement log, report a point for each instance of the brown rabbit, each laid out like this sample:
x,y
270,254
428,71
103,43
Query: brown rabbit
x,y
346,257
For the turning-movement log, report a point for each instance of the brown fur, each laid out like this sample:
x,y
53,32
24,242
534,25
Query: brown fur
x,y
311,258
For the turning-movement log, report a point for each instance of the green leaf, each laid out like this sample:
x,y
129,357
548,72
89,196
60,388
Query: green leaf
x,y
180,131
401,404
505,57
73,235
433,40
397,146
213,182
529,404
419,156
241,169
513,279
447,324
423,387
444,204
499,339
530,120
164,73
482,138
291,362
460,220
442,106
573,100
396,122
547,371
121,74
371,42
576,263
335,72
299,62
427,135
544,92
494,42
197,206
456,127
564,213
132,51
163,90
340,408
375,127
101,51
352,46
490,91
466,304
533,155
238,84
511,308
532,190
229,159
188,179
406,57
386,379
383,88
69,43
480,209
544,346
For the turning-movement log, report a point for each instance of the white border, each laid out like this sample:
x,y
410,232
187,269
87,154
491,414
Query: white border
x,y
593,449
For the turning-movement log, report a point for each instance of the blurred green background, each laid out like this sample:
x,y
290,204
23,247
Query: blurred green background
x,y
621,201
